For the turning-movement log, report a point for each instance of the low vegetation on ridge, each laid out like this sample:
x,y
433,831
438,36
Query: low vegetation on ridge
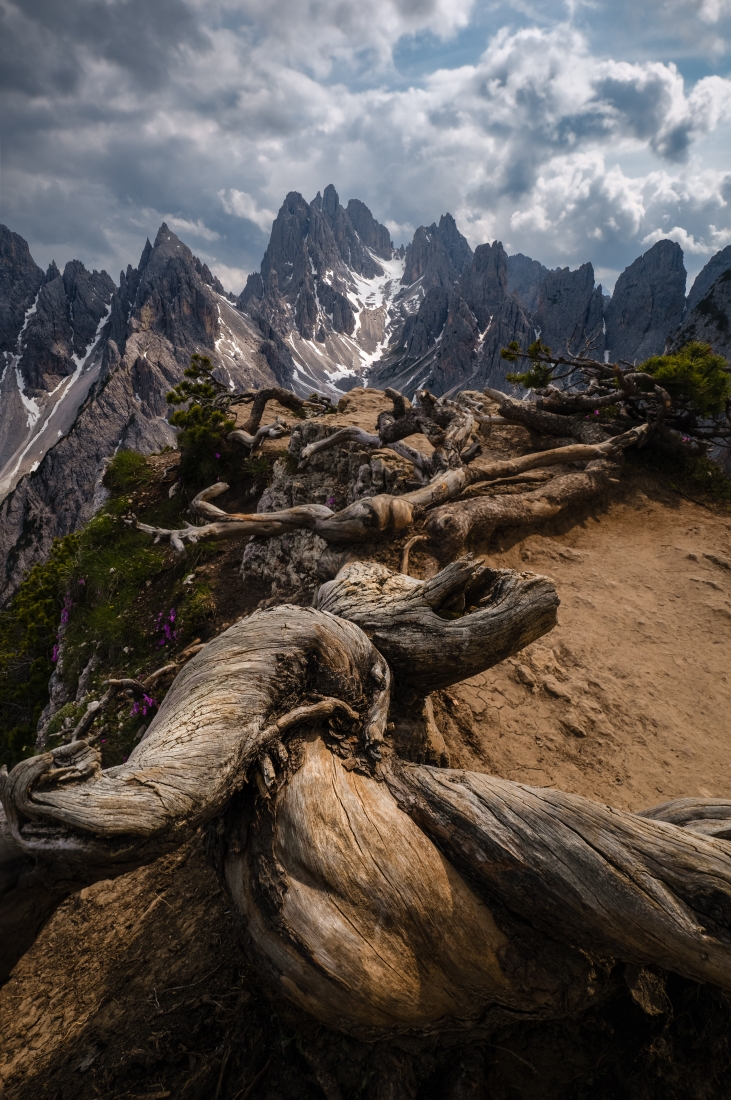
x,y
109,596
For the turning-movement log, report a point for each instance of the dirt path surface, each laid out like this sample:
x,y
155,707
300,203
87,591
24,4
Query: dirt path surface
x,y
628,700
138,988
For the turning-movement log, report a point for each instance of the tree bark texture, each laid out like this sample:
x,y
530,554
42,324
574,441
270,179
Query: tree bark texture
x,y
385,516
382,896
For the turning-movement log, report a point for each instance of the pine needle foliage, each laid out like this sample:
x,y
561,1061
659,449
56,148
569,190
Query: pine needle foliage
x,y
540,373
694,376
206,454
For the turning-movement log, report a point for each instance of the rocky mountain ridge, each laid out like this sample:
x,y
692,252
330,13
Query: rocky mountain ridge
x,y
86,364
68,406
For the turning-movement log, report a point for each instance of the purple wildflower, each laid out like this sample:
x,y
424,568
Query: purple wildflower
x,y
330,502
141,706
217,455
82,580
165,627
54,655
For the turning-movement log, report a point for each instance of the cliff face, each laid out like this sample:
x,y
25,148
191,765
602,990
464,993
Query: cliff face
x,y
88,403
709,319
51,335
323,296
708,312
647,304
64,325
20,281
437,256
455,338
718,265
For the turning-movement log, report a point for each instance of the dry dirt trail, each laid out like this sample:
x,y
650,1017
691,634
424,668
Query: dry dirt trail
x,y
628,699
137,988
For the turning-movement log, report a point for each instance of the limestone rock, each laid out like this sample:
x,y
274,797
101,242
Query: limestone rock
x,y
709,320
647,304
717,265
437,256
112,395
20,281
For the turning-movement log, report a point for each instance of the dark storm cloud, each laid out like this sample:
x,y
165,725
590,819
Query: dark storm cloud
x,y
119,113
45,45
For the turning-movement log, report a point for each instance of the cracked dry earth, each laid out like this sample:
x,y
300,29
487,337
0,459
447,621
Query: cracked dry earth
x,y
138,988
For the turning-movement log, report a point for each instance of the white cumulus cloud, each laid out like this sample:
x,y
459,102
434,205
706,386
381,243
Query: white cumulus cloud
x,y
242,205
563,151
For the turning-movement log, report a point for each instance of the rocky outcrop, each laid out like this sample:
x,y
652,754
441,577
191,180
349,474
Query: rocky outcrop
x,y
20,281
718,265
423,329
42,376
525,279
373,235
323,297
709,321
480,314
163,311
64,325
569,311
307,271
484,284
647,304
437,256
511,322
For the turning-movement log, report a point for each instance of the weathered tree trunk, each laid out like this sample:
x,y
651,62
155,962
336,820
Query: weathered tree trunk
x,y
454,525
435,633
380,896
384,516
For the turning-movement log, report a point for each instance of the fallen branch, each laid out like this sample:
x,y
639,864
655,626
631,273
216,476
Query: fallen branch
x,y
266,431
379,516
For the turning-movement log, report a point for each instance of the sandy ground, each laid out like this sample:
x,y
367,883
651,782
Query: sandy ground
x,y
626,701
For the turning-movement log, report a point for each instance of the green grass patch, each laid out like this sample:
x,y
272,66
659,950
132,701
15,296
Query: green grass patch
x,y
127,471
117,595
28,629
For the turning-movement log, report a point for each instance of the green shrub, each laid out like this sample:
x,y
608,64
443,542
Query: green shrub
x,y
206,455
696,477
257,466
127,471
695,375
540,374
28,631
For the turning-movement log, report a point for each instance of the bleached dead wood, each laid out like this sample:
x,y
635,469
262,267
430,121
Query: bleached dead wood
x,y
379,895
454,525
435,633
265,431
605,881
384,516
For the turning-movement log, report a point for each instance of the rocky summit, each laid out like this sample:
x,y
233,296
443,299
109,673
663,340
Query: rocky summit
x,y
86,364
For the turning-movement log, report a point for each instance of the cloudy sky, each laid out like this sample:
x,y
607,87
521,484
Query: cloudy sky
x,y
572,131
